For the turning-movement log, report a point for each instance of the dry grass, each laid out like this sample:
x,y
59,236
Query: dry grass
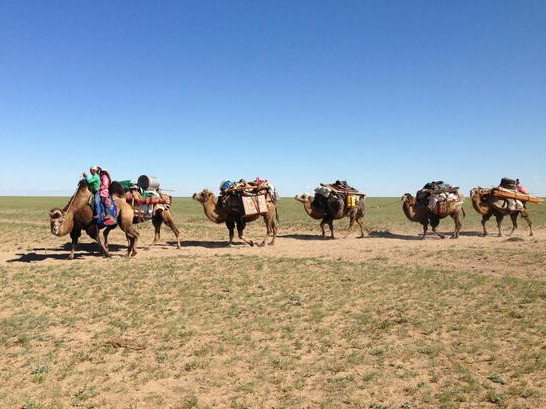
x,y
395,324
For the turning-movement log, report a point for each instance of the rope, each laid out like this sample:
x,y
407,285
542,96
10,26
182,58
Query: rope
x,y
72,200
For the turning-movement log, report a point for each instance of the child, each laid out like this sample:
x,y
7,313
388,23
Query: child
x,y
104,193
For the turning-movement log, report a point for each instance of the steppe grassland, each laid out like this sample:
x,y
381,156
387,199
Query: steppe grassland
x,y
207,326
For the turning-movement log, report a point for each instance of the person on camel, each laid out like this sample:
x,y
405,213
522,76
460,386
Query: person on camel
x,y
93,183
104,193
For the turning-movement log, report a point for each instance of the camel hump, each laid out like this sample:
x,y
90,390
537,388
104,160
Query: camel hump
x,y
116,189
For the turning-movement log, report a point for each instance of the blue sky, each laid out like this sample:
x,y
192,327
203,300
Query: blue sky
x,y
385,94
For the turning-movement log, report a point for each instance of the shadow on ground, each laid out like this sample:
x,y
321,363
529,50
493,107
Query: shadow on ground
x,y
56,253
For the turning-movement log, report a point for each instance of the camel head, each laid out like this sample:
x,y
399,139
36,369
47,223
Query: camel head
x,y
475,192
305,198
409,199
204,196
56,218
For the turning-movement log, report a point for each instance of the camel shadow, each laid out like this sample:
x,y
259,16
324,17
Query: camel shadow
x,y
33,256
82,250
389,235
471,233
307,237
207,244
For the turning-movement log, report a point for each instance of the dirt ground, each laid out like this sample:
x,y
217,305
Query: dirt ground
x,y
381,322
519,255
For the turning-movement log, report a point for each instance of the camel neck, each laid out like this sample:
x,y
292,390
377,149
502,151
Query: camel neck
x,y
409,211
212,211
477,204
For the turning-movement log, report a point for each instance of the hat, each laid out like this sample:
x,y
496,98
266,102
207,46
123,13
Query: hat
x,y
96,168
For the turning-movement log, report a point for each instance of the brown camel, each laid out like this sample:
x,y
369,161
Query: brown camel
x,y
417,212
487,205
230,216
337,210
77,215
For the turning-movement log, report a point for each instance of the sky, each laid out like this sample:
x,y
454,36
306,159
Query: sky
x,y
387,95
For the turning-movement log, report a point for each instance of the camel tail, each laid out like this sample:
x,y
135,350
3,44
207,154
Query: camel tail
x,y
277,215
464,213
116,189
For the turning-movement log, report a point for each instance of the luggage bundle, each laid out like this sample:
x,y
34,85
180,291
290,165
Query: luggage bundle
x,y
511,195
145,196
247,198
340,190
439,197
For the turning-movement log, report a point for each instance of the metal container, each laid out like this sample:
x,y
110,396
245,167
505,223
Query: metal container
x,y
148,182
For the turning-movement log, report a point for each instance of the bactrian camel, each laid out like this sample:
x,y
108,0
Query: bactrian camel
x,y
488,205
161,214
421,213
230,216
77,215
337,210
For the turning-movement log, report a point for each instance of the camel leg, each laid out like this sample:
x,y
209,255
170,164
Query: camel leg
x,y
351,223
485,218
434,224
425,229
132,237
525,215
322,223
168,220
499,218
331,225
269,230
274,231
240,230
361,226
94,233
230,224
74,235
457,220
514,218
106,233
157,221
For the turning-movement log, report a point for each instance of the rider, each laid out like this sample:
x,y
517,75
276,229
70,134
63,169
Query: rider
x,y
93,183
104,193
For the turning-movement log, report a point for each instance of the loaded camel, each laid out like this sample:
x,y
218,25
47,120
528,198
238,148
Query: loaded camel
x,y
161,214
488,205
77,215
337,210
230,216
420,212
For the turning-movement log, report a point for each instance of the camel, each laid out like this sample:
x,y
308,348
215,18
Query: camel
x,y
423,214
161,214
230,216
77,215
338,210
484,204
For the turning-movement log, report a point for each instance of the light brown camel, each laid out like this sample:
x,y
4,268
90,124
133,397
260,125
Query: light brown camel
x,y
77,215
230,216
421,213
337,210
485,205
161,214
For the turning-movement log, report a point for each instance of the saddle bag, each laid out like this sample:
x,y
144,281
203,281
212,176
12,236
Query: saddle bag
x,y
254,204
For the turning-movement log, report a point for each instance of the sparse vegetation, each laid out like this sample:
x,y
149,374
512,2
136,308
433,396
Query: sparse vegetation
x,y
311,323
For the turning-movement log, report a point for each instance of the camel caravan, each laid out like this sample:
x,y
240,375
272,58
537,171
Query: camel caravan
x,y
100,203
